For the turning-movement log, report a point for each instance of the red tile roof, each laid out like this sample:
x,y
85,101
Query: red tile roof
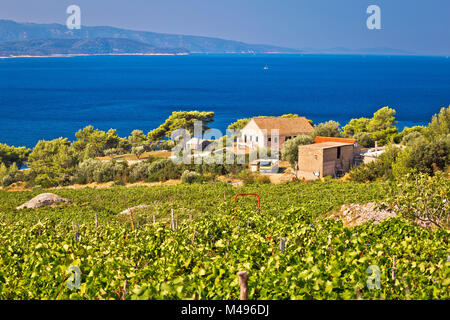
x,y
286,126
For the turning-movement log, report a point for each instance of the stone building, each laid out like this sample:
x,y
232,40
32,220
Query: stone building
x,y
324,159
268,131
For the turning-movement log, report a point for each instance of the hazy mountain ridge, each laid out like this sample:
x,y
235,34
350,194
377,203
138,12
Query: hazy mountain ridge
x,y
14,31
49,47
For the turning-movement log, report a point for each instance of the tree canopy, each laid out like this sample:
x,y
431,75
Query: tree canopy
x,y
381,127
290,148
178,120
10,155
327,129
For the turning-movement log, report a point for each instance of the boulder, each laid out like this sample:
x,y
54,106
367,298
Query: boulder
x,y
43,200
139,207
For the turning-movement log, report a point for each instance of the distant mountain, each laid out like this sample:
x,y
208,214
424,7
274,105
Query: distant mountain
x,y
81,46
14,31
343,50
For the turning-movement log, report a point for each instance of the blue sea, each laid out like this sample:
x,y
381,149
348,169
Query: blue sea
x,y
47,98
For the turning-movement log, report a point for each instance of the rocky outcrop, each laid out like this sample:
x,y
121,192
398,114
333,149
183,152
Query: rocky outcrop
x,y
357,214
43,200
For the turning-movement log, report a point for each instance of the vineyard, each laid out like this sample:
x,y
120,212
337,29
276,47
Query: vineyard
x,y
197,256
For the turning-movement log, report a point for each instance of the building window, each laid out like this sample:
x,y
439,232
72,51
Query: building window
x,y
339,152
269,139
245,138
256,139
250,138
275,140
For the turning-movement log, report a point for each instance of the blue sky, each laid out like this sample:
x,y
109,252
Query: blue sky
x,y
420,26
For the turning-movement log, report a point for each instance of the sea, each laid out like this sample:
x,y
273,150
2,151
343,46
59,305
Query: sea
x,y
47,98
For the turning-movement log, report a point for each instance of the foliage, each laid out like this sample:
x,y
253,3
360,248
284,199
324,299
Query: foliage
x,y
10,155
411,138
189,176
137,138
322,259
52,162
9,175
381,168
91,142
113,152
423,156
422,199
289,151
93,170
178,120
440,123
327,129
239,124
364,139
138,151
381,127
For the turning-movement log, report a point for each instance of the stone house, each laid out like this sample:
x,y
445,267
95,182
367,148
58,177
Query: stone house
x,y
324,159
268,131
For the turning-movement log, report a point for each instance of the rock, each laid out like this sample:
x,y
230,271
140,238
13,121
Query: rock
x,y
356,214
127,211
237,184
43,200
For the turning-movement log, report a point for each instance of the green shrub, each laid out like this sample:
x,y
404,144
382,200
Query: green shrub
x,y
380,168
364,139
421,198
247,176
260,178
189,176
93,170
424,156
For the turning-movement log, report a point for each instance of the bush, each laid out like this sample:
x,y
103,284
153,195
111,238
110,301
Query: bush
x,y
139,171
9,175
290,148
158,165
421,198
260,178
114,152
411,138
364,139
169,171
8,180
189,176
247,176
93,170
423,156
380,168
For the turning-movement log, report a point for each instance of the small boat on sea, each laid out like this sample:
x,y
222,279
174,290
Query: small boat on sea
x,y
266,67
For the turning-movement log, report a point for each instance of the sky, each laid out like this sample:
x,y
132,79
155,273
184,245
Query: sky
x,y
417,26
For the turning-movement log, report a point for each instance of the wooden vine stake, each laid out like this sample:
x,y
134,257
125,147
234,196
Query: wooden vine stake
x,y
124,293
96,220
154,220
282,244
393,268
176,224
131,219
172,223
190,217
243,283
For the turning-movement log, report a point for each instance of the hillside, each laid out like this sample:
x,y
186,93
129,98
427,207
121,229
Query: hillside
x,y
14,31
81,46
199,256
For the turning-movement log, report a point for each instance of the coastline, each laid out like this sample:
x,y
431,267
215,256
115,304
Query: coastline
x,y
95,54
